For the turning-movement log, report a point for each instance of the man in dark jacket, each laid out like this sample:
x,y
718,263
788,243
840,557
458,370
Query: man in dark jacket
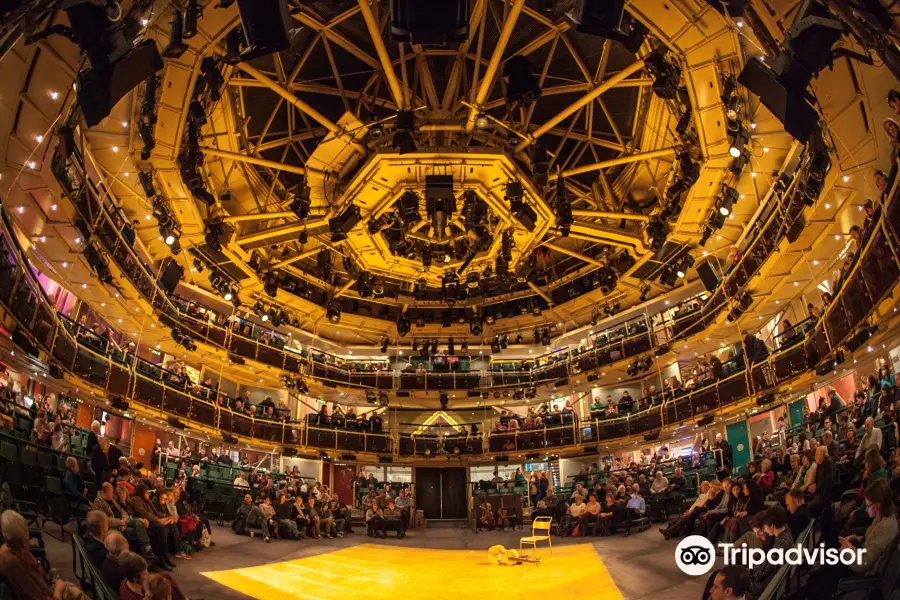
x,y
821,488
97,528
797,512
100,462
239,525
755,349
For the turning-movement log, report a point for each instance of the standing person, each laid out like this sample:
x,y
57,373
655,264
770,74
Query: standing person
x,y
100,462
93,437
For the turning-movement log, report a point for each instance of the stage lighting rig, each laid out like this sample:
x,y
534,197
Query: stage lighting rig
x,y
522,87
563,208
540,164
146,180
738,163
656,234
149,103
407,207
341,225
430,23
475,326
176,46
301,203
440,203
683,265
450,291
385,342
183,339
645,292
608,280
333,311
270,284
545,337
404,141
739,138
212,77
728,197
98,263
666,75
403,326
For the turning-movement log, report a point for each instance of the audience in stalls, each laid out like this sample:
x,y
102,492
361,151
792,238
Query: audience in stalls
x,y
19,568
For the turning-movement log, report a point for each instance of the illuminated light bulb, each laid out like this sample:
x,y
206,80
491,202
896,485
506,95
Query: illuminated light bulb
x,y
20,209
815,262
115,148
147,217
846,178
740,23
39,138
125,174
54,94
32,165
837,236
170,239
65,265
84,286
753,174
765,149
827,205
752,125
53,207
43,239
124,123
78,240
796,284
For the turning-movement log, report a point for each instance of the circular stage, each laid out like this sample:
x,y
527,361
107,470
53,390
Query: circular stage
x,y
441,562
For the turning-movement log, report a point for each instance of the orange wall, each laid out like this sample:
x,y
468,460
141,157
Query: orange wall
x,y
143,439
84,415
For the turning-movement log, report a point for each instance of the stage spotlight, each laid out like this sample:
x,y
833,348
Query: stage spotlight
x,y
645,292
271,284
176,46
737,164
403,326
146,133
434,347
404,141
421,288
450,348
482,122
563,208
415,346
602,18
301,203
266,27
464,347
148,104
656,235
450,287
234,43
684,264
212,76
384,345
333,311
407,207
739,139
504,341
191,16
341,225
522,87
666,75
146,180
545,337
475,327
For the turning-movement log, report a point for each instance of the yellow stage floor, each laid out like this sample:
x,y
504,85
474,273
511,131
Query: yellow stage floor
x,y
375,571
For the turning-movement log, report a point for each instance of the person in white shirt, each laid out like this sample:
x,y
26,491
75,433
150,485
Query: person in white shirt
x,y
660,484
871,437
240,481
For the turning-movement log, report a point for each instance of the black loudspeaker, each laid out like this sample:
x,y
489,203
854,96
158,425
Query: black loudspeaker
x,y
22,341
385,459
708,276
228,438
173,422
99,89
55,372
402,394
792,109
501,459
793,234
266,25
418,22
524,214
170,274
348,457
66,141
854,343
289,452
652,436
119,404
707,420
767,399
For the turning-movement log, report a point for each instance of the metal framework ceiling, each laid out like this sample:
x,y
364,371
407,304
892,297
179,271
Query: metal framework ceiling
x,y
307,113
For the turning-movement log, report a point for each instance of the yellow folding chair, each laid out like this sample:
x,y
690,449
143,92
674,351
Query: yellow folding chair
x,y
540,524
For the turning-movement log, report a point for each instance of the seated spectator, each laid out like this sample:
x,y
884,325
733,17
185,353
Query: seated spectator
x,y
18,566
393,520
730,583
709,492
778,535
797,512
163,528
134,571
677,483
75,487
660,484
375,523
113,570
241,481
95,541
766,478
40,429
879,542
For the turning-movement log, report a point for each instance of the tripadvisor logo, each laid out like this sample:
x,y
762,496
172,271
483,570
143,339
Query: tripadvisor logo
x,y
695,555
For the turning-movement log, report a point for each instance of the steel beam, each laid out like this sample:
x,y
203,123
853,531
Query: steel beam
x,y
581,102
621,160
253,160
487,81
610,215
381,51
282,230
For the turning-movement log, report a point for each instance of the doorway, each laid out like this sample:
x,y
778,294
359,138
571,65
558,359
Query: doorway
x,y
441,493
